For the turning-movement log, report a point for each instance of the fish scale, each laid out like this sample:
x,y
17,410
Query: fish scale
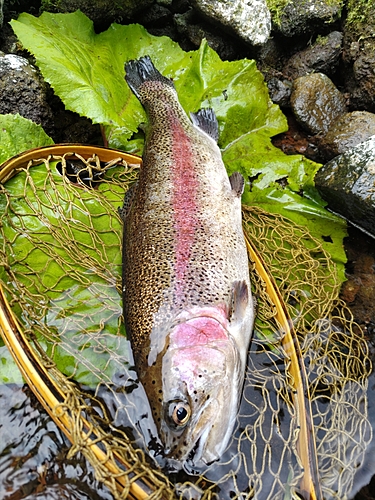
x,y
185,276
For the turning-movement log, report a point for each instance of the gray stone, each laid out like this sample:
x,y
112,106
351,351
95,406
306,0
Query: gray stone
x,y
316,102
347,183
348,131
323,57
249,19
23,91
301,17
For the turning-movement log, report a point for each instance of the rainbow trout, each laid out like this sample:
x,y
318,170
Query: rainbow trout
x,y
187,302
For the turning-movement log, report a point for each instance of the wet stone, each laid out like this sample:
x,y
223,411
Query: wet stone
x,y
347,183
359,54
316,103
249,19
323,56
348,131
23,91
307,16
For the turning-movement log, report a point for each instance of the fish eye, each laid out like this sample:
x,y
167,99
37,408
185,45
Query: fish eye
x,y
179,413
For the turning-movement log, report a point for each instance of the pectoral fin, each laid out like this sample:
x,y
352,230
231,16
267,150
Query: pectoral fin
x,y
237,183
239,301
205,119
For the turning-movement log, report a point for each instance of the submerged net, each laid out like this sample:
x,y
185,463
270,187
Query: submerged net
x,y
60,257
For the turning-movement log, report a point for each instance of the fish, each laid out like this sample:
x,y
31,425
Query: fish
x,y
187,302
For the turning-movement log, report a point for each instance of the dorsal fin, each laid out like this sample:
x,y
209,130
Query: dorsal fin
x,y
237,183
205,119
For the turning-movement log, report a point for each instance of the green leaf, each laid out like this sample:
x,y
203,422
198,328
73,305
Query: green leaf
x,y
285,185
60,254
66,45
18,134
87,71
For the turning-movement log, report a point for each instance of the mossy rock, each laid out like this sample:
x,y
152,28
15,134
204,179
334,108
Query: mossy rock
x,y
298,17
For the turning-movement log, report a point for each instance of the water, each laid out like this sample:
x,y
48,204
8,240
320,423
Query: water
x,y
33,454
33,451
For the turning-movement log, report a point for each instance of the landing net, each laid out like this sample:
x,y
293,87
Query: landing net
x,y
60,258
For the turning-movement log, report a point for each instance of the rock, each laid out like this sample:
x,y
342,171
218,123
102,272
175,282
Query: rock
x,y
189,25
348,131
23,91
347,184
249,19
359,54
280,91
101,12
155,17
270,56
322,56
301,17
316,102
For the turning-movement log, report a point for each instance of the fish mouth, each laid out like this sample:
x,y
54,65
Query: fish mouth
x,y
196,459
192,459
193,451
190,465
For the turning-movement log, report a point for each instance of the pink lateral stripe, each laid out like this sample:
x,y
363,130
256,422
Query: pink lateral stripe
x,y
184,200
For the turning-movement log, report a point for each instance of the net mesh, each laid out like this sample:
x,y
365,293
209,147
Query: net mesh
x,y
60,257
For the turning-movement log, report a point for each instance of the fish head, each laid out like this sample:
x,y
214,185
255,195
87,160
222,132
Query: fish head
x,y
202,384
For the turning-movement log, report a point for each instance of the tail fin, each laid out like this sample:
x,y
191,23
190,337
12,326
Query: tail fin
x,y
142,70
